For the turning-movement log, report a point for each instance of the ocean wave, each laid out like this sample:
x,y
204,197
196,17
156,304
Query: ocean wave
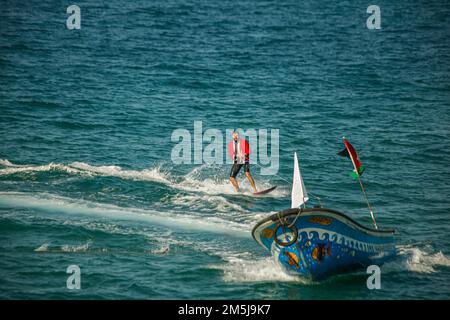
x,y
42,248
418,260
154,174
5,162
14,168
76,248
191,182
240,270
47,167
64,248
161,250
87,248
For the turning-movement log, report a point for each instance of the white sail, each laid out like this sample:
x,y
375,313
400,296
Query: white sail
x,y
299,195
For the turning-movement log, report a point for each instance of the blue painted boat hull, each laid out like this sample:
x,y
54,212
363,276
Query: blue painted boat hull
x,y
317,243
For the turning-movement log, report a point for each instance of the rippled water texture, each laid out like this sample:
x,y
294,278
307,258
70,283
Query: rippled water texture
x,y
86,118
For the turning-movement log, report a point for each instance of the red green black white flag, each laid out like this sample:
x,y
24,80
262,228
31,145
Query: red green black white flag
x,y
350,153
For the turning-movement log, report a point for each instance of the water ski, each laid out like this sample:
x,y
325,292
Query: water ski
x,y
264,191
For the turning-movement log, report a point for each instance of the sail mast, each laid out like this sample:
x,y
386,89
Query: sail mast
x,y
299,194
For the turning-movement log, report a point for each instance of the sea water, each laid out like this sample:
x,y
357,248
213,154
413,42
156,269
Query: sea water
x,y
87,115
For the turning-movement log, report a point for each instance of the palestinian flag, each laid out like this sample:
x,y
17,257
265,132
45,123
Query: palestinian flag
x,y
350,153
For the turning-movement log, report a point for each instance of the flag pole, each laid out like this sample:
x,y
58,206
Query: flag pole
x,y
362,188
367,200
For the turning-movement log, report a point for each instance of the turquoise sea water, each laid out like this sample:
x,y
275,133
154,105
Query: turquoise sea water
x,y
86,118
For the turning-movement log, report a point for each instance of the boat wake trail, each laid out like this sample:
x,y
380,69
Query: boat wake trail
x,y
85,169
13,168
72,208
194,181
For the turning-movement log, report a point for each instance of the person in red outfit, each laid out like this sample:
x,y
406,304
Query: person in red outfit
x,y
239,151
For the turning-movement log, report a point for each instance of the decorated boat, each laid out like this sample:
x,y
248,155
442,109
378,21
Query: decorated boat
x,y
316,243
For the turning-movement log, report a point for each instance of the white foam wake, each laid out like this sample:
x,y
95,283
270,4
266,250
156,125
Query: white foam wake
x,y
12,169
239,268
62,205
76,248
191,182
215,203
219,183
154,174
65,248
5,163
255,270
238,265
417,260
